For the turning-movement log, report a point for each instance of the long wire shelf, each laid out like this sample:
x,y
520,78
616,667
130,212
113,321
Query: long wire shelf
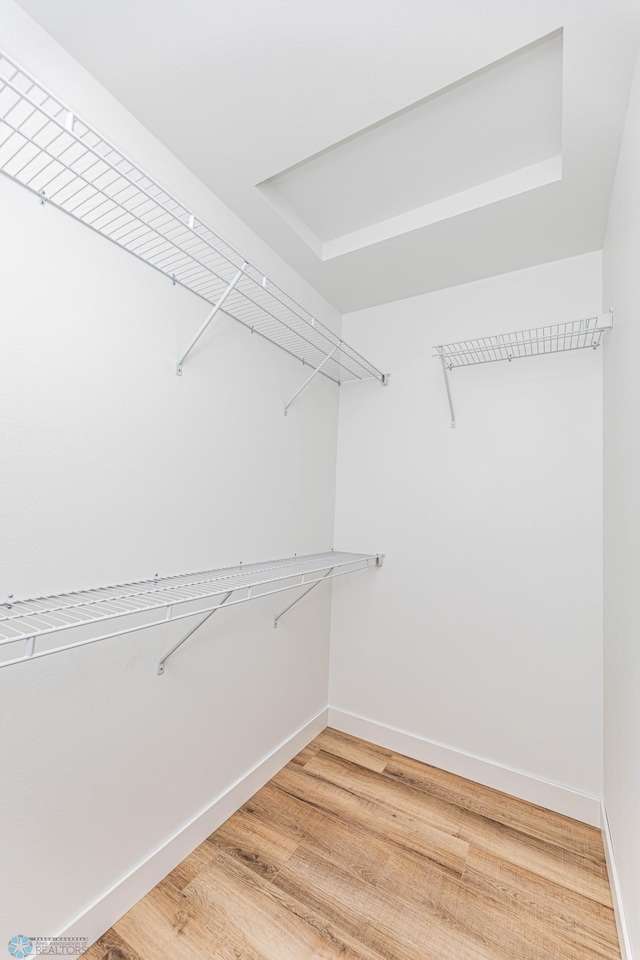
x,y
178,597
554,338
51,151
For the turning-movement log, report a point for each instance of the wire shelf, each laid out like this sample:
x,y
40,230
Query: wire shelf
x,y
45,147
556,338
27,620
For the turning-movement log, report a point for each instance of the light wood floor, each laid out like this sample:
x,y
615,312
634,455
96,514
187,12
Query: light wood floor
x,y
354,852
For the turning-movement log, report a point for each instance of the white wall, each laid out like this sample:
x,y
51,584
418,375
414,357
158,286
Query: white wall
x,y
483,631
111,469
621,262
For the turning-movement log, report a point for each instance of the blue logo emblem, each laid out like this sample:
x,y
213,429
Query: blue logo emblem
x,y
20,947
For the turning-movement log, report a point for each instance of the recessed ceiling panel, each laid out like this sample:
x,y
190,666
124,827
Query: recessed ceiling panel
x,y
501,126
242,92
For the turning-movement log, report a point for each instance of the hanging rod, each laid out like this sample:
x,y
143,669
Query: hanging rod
x,y
47,148
27,622
556,338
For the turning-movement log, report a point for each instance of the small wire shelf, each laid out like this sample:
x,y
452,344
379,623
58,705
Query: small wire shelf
x,y
49,150
554,338
178,597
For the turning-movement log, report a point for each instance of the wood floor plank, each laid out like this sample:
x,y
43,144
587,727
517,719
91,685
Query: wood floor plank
x,y
254,842
191,866
111,946
440,847
441,903
261,918
327,888
353,749
374,915
162,927
484,909
557,863
582,927
306,753
362,853
356,853
525,817
572,871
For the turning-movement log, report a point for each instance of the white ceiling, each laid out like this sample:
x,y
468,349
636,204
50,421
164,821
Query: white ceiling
x,y
379,145
472,133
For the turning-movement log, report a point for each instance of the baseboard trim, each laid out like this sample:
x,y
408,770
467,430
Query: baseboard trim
x,y
614,883
95,919
544,793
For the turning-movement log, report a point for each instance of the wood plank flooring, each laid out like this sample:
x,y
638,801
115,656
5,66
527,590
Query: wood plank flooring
x,y
354,852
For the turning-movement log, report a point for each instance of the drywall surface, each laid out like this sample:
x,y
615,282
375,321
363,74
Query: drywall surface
x,y
621,273
112,468
483,629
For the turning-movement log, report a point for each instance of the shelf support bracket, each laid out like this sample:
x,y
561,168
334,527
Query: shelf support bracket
x,y
209,318
161,665
445,371
309,379
302,595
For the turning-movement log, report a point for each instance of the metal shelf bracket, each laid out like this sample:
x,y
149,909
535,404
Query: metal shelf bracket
x,y
309,379
301,597
445,371
209,318
176,646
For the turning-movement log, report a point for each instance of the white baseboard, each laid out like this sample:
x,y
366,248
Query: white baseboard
x,y
95,919
614,882
544,793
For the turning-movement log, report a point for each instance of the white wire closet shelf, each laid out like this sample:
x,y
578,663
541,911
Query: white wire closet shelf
x,y
28,621
45,147
555,338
